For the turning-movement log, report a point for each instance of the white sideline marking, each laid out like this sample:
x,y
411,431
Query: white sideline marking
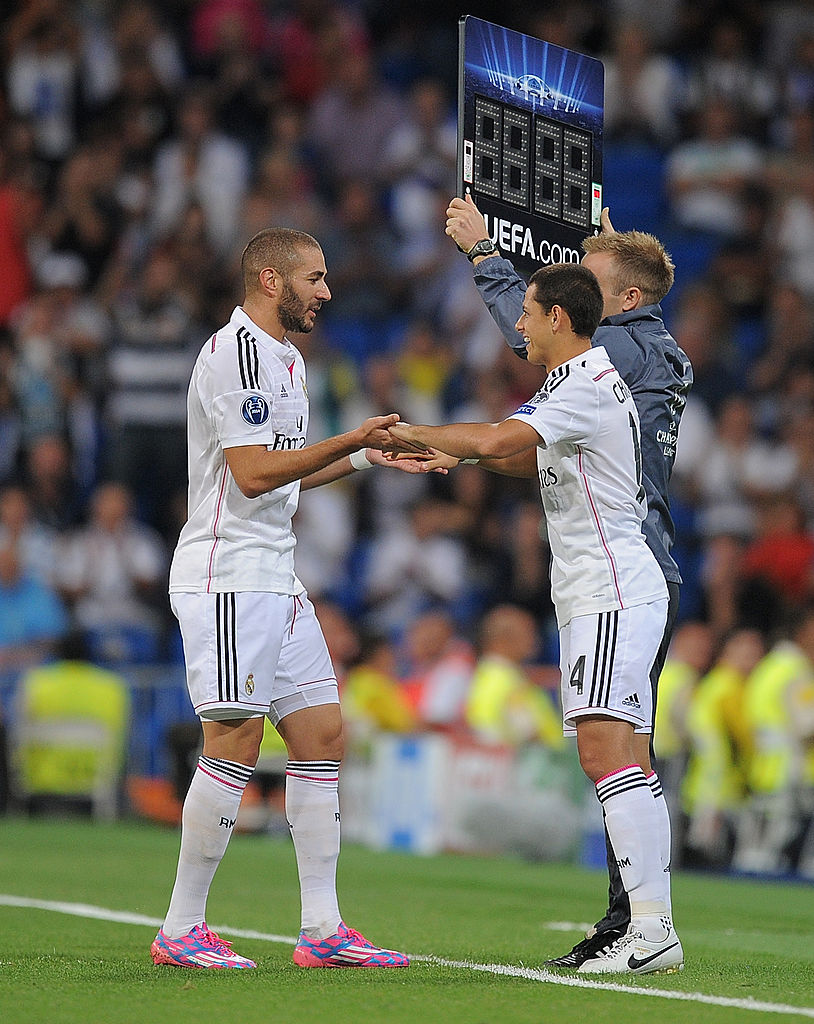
x,y
566,926
508,970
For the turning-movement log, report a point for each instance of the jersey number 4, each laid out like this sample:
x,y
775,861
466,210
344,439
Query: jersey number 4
x,y
577,674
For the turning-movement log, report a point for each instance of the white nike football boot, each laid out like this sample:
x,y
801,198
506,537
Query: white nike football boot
x,y
635,954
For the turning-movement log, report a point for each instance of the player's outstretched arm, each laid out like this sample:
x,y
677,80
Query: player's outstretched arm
x,y
257,470
412,462
408,462
471,440
523,464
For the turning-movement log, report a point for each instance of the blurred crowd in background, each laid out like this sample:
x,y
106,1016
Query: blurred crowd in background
x,y
142,145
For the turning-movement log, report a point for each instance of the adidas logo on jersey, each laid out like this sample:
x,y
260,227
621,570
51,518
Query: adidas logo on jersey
x,y
283,392
631,701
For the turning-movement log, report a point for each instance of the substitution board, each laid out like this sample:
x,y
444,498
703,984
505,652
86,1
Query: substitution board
x,y
530,117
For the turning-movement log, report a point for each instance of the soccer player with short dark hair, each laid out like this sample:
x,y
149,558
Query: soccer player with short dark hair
x,y
580,436
252,643
635,273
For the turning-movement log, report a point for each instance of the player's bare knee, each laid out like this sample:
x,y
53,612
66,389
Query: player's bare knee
x,y
314,734
597,760
237,741
593,764
326,744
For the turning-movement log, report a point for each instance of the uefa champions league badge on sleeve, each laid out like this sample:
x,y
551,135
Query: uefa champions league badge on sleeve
x,y
255,410
530,119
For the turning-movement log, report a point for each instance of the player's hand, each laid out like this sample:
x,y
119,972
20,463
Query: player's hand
x,y
436,461
465,223
401,434
605,226
408,462
375,433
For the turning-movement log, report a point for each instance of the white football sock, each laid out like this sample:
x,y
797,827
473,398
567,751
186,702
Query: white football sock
x,y
312,809
210,811
633,827
665,832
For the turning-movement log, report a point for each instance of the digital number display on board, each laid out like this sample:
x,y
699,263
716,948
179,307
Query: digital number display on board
x,y
530,117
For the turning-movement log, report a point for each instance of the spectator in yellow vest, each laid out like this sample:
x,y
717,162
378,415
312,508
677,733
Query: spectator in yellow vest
x,y
372,696
504,704
776,833
714,785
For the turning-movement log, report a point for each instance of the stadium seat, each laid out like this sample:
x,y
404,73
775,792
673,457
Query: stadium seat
x,y
69,736
633,187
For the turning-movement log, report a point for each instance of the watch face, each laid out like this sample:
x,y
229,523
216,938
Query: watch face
x,y
481,248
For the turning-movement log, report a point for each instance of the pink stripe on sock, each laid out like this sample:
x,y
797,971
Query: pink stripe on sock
x,y
616,772
217,778
313,778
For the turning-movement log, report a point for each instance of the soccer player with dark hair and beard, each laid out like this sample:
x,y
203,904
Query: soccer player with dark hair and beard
x,y
634,273
252,644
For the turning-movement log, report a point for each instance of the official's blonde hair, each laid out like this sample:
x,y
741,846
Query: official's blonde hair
x,y
639,261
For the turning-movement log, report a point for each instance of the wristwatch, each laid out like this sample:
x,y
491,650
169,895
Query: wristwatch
x,y
486,247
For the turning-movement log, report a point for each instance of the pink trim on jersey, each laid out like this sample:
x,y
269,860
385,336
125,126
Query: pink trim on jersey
x,y
214,339
217,778
610,369
599,528
616,772
218,506
291,371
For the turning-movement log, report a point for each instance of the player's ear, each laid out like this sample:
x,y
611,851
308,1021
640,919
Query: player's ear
x,y
269,280
556,317
632,298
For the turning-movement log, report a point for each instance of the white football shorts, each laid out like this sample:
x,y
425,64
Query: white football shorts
x,y
253,654
605,662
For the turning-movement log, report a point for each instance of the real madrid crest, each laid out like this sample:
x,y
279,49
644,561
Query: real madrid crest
x,y
248,686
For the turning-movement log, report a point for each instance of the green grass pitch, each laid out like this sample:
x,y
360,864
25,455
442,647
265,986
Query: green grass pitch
x,y
749,945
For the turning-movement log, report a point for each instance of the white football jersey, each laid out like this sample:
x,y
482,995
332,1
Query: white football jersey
x,y
589,465
246,388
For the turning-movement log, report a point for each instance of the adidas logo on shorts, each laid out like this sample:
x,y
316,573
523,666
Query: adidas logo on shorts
x,y
631,701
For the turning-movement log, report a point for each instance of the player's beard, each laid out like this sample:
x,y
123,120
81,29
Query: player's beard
x,y
293,311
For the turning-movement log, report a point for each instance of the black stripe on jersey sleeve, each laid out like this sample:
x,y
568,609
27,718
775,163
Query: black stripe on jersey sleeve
x,y
241,358
255,365
249,359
